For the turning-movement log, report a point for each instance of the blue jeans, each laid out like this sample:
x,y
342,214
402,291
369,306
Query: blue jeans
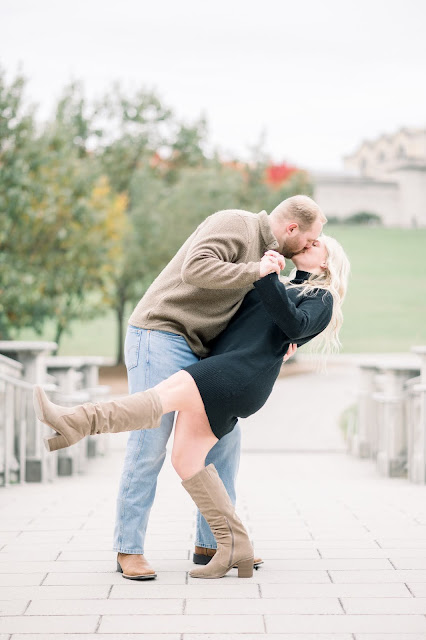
x,y
152,356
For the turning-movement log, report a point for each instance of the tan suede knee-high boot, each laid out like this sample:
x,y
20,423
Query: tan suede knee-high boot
x,y
233,545
142,410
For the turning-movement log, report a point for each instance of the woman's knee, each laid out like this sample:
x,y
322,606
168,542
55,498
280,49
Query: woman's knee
x,y
181,465
186,465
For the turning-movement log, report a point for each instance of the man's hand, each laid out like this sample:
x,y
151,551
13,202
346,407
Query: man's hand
x,y
291,351
271,262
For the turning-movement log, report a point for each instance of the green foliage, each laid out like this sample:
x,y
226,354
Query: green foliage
x,y
96,201
163,215
334,220
362,217
54,238
130,129
348,420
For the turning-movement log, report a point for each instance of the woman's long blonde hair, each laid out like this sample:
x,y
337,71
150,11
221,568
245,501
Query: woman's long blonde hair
x,y
335,280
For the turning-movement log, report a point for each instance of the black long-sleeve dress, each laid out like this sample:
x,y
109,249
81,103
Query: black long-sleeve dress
x,y
236,379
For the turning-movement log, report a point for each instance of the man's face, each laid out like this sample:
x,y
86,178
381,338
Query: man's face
x,y
296,241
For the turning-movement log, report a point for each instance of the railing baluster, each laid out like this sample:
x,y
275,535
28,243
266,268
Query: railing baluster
x,y
8,432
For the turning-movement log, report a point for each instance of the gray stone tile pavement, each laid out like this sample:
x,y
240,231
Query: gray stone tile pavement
x,y
344,549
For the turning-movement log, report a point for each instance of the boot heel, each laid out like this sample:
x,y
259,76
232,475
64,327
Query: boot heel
x,y
245,568
119,569
55,442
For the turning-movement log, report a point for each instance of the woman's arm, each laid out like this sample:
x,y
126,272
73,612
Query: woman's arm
x,y
309,318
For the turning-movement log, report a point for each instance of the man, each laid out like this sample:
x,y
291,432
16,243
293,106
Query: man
x,y
190,303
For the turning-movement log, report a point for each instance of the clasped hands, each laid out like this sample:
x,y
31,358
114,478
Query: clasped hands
x,y
274,262
271,262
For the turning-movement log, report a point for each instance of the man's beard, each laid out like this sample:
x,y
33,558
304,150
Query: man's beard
x,y
289,252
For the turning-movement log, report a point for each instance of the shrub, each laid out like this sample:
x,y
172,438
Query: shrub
x,y
364,217
348,421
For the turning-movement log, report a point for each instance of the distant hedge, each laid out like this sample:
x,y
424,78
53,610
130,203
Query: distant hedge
x,y
362,217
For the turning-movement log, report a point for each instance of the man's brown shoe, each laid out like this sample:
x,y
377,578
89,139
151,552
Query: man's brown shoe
x,y
203,555
135,566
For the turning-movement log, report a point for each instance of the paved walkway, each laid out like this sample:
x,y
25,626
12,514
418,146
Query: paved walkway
x,y
344,549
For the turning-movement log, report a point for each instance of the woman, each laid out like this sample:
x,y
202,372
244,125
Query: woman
x,y
234,381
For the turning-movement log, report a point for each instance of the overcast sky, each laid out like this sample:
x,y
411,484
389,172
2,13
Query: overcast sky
x,y
318,76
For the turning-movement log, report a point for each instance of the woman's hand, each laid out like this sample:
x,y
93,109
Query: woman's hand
x,y
271,262
277,256
291,351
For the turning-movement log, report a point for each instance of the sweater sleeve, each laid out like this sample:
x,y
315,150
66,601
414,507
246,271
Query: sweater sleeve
x,y
215,257
308,319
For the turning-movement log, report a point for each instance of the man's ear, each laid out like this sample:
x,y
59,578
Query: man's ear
x,y
293,226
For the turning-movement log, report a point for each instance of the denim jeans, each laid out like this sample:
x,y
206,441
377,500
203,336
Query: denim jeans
x,y
152,356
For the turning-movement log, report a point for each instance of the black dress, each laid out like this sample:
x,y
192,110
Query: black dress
x,y
237,377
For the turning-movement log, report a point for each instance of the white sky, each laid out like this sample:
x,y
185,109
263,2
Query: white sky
x,y
318,75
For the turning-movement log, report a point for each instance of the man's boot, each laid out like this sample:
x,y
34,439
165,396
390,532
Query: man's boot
x,y
142,410
134,566
233,544
203,555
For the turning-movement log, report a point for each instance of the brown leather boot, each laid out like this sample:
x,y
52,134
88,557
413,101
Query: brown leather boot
x,y
203,555
140,410
135,566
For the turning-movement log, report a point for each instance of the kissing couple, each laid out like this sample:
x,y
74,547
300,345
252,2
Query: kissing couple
x,y
207,342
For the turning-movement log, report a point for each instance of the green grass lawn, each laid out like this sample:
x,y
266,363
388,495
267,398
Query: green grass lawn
x,y
385,309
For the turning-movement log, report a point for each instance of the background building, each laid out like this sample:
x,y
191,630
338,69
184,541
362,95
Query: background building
x,y
386,176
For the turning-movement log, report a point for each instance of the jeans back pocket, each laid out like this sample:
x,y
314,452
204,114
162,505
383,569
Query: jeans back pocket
x,y
132,345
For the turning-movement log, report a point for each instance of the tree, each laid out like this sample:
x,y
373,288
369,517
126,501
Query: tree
x,y
164,215
95,202
139,141
130,129
19,300
55,235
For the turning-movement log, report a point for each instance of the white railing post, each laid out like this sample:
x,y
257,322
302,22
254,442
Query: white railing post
x,y
417,422
23,456
32,355
364,438
393,439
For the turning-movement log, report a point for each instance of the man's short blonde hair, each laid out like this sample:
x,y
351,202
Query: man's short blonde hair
x,y
300,209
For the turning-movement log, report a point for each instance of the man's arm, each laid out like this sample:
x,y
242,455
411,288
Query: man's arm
x,y
309,318
211,261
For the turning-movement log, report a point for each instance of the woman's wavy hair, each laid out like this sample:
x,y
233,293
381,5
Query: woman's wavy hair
x,y
335,280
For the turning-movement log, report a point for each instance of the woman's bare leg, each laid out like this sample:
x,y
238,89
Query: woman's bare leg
x,y
180,393
193,436
141,410
192,441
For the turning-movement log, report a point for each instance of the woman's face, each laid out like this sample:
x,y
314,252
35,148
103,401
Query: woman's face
x,y
313,259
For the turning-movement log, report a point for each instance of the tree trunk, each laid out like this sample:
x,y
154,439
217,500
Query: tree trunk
x,y
120,337
59,332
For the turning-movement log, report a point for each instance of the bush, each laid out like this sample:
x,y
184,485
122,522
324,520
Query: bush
x,y
364,217
334,220
348,421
